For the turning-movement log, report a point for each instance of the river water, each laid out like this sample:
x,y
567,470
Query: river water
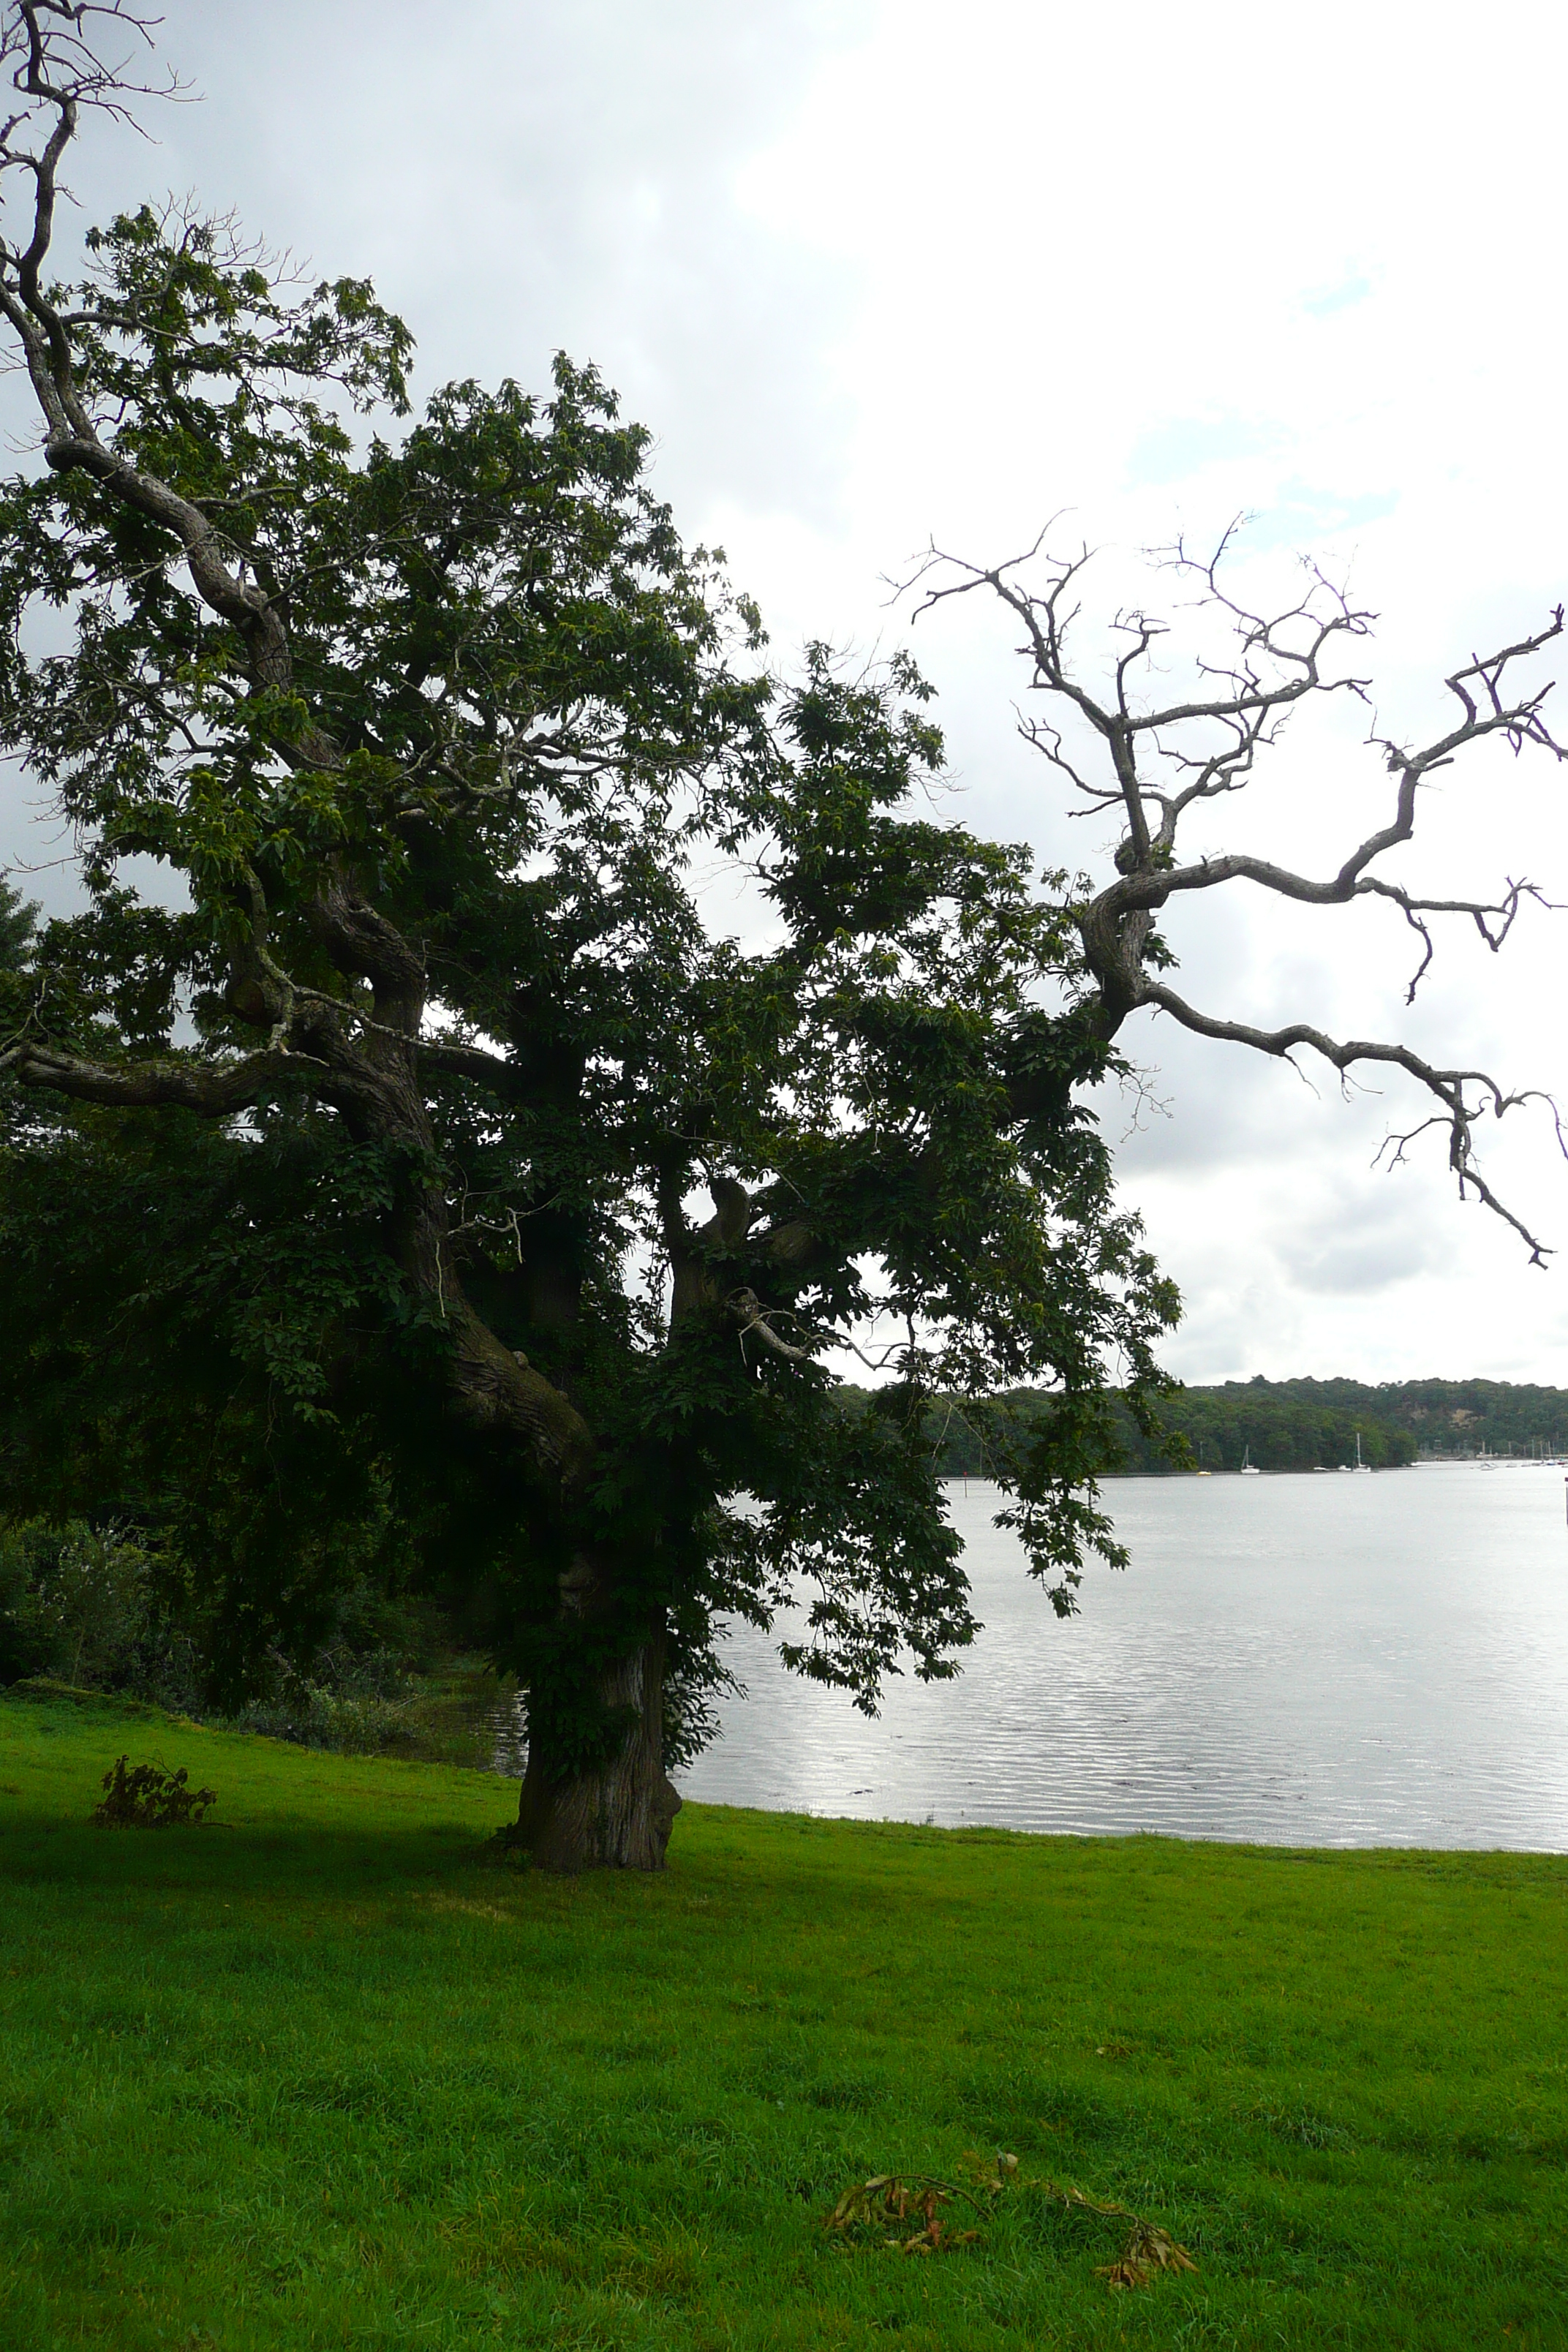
x,y
1309,1660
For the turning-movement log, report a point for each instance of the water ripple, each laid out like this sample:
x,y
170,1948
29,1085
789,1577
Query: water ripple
x,y
1312,1660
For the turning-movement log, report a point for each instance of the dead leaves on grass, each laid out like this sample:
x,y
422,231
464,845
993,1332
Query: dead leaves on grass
x,y
882,2210
1149,2249
886,2204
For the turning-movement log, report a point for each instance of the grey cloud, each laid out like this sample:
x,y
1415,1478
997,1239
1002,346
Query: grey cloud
x,y
1221,1340
1348,1245
522,180
1357,1262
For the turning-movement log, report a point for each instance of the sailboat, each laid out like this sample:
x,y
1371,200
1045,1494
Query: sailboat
x,y
1364,1466
1249,1468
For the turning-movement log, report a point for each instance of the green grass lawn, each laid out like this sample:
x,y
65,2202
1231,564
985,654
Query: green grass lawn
x,y
319,2073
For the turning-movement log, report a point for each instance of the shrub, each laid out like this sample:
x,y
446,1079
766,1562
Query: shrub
x,y
75,1600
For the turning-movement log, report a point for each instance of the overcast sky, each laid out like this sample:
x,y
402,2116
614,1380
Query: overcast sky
x,y
880,273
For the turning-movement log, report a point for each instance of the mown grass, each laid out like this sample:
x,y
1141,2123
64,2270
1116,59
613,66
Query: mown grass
x,y
324,2074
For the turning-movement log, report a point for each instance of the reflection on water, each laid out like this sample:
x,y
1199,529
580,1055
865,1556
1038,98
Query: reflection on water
x,y
1308,1660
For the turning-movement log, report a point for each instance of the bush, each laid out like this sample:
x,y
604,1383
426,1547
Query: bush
x,y
94,1608
28,1642
359,1706
74,1600
373,1707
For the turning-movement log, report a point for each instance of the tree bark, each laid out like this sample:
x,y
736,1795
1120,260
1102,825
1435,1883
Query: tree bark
x,y
619,1816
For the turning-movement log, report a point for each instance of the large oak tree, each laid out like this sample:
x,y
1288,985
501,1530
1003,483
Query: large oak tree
x,y
419,1181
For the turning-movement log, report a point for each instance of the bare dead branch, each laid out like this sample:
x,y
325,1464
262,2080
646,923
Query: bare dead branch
x,y
1159,763
1449,1085
747,1309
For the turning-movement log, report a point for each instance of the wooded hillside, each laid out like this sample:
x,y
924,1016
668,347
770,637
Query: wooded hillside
x,y
1303,1424
1310,1425
1452,1417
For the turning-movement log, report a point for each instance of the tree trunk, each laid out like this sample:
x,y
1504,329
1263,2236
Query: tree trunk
x,y
619,1817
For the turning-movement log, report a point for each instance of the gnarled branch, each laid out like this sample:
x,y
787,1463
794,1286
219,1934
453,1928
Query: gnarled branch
x,y
215,1089
1162,760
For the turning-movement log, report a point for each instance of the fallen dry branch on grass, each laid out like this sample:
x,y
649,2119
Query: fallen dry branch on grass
x,y
880,2212
1149,2248
884,2207
146,1796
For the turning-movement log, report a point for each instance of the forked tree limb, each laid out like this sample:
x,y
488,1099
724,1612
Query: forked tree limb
x,y
1279,660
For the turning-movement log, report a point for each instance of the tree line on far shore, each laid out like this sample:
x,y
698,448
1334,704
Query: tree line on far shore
x,y
1295,1425
1447,1417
